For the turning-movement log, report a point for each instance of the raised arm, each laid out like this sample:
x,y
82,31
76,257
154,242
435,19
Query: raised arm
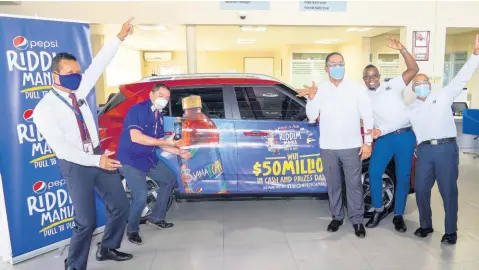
x,y
411,66
464,75
102,60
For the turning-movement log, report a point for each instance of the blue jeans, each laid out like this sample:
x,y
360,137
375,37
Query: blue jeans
x,y
136,179
401,147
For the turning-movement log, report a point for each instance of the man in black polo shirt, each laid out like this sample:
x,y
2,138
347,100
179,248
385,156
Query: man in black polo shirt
x,y
142,132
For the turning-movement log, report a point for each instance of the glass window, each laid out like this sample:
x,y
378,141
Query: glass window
x,y
211,101
452,64
267,103
113,101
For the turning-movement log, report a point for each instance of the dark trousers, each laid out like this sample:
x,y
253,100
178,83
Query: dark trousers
x,y
441,163
136,179
348,161
82,182
401,147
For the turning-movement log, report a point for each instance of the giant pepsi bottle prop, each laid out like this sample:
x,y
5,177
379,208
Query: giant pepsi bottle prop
x,y
203,173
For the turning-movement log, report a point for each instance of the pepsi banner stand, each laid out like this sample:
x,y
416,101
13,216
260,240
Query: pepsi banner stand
x,y
38,208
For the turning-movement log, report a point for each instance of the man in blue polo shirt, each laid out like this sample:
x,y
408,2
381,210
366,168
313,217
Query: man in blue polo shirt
x,y
142,133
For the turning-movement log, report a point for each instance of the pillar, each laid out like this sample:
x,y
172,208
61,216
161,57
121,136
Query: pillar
x,y
191,48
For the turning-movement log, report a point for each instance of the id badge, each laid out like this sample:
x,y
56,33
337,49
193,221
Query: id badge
x,y
88,147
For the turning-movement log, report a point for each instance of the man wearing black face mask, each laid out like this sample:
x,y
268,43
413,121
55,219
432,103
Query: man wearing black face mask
x,y
67,124
142,133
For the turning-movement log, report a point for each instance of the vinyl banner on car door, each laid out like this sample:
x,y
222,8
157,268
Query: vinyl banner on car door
x,y
39,209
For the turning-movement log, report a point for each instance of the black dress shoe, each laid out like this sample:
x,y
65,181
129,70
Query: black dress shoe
x,y
449,238
68,267
423,232
359,230
376,219
135,238
399,224
334,225
159,224
108,254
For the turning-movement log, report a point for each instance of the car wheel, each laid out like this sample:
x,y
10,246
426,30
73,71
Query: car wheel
x,y
388,191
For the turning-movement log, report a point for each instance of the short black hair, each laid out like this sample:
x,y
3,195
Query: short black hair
x,y
331,55
370,66
58,58
158,86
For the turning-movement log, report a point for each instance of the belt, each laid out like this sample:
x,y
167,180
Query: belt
x,y
402,130
439,141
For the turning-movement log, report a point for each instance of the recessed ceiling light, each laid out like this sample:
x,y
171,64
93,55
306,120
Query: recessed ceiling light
x,y
364,29
352,29
245,41
253,28
326,41
153,27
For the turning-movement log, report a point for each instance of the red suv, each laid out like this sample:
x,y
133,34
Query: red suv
x,y
266,146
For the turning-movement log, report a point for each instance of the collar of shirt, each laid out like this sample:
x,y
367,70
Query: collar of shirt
x,y
63,94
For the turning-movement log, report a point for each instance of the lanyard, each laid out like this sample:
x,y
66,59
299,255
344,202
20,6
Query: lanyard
x,y
77,113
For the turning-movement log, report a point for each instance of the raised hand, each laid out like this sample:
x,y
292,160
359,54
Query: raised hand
x,y
126,29
394,44
476,45
309,91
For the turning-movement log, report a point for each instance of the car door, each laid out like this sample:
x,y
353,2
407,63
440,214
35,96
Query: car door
x,y
278,151
211,169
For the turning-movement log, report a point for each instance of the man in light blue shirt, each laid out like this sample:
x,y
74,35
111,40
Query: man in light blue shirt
x,y
438,154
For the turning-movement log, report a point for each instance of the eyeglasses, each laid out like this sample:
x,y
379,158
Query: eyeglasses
x,y
416,83
333,65
370,77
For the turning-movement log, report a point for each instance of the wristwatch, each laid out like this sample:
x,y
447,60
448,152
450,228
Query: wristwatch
x,y
369,144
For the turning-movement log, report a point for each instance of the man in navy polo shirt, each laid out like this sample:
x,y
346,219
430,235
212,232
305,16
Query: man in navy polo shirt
x,y
142,133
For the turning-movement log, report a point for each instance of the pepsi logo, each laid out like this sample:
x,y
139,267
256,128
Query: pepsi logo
x,y
21,43
28,115
39,187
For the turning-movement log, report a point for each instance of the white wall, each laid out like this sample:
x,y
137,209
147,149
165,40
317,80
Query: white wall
x,y
433,16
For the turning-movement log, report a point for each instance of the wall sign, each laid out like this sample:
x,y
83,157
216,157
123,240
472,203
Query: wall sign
x,y
244,5
323,6
420,45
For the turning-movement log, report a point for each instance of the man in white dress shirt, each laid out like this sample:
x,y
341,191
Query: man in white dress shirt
x,y
342,104
66,122
388,105
438,154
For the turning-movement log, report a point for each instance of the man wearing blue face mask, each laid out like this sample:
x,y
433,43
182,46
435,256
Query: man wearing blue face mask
x,y
342,104
67,124
437,154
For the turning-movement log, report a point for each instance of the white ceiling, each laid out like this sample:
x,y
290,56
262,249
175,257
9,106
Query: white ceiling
x,y
225,37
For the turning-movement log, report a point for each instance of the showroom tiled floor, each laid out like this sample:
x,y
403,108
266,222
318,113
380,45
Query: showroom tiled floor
x,y
290,234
